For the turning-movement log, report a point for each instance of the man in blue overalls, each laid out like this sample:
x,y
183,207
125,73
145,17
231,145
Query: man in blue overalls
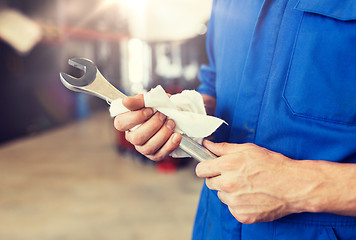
x,y
282,74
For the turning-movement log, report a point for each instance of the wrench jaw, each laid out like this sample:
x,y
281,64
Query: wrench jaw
x,y
90,72
92,82
79,63
64,79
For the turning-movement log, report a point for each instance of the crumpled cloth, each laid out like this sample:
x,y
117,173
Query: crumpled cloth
x,y
186,109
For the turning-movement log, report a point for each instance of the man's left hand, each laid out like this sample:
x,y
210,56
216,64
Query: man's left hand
x,y
256,184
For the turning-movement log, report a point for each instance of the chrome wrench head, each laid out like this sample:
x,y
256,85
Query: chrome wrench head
x,y
86,65
91,82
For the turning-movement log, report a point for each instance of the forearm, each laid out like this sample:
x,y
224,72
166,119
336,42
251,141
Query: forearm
x,y
326,187
260,185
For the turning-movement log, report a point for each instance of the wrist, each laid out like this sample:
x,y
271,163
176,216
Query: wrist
x,y
326,187
311,184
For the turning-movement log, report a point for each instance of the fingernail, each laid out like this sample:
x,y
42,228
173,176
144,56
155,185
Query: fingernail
x,y
148,112
162,117
175,138
170,124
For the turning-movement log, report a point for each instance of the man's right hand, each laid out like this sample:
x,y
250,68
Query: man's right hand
x,y
155,137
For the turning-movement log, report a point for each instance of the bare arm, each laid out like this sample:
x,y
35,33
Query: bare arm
x,y
259,185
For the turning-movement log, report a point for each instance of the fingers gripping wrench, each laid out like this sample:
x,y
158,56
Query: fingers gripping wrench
x,y
93,82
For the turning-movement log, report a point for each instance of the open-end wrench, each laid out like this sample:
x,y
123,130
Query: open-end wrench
x,y
93,82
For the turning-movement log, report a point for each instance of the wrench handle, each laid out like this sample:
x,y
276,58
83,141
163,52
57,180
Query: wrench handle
x,y
195,150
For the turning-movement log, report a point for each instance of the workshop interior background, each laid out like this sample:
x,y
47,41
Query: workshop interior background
x,y
32,97
65,173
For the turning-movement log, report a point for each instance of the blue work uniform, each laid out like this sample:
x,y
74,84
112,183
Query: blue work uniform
x,y
284,76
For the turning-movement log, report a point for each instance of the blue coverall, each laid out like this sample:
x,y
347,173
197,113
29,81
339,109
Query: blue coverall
x,y
284,76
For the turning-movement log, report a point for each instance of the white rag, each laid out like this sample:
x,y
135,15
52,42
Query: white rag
x,y
186,109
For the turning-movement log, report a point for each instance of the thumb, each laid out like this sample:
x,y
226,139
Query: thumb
x,y
220,149
134,103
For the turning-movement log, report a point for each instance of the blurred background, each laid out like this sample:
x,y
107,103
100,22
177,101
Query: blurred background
x,y
65,173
